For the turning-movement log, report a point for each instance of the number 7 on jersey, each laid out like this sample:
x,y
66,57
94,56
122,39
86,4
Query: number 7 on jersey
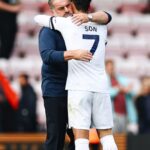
x,y
96,41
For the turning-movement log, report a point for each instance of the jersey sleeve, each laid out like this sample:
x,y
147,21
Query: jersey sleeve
x,y
43,20
59,23
56,23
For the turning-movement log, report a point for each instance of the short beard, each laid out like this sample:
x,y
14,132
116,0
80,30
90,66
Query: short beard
x,y
68,14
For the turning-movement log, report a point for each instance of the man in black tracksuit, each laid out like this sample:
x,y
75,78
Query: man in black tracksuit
x,y
8,26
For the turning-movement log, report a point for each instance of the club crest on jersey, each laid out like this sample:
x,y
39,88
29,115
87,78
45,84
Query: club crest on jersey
x,y
90,28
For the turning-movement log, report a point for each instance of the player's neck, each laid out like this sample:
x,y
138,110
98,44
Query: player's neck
x,y
80,11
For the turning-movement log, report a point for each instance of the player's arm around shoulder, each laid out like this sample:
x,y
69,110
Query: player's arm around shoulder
x,y
100,17
52,22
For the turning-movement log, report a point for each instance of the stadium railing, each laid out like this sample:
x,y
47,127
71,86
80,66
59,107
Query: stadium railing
x,y
25,141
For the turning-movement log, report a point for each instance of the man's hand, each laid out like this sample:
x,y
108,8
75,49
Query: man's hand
x,y
10,8
1,4
126,89
82,55
80,18
17,8
133,128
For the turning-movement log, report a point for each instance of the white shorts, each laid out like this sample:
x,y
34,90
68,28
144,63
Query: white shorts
x,y
89,109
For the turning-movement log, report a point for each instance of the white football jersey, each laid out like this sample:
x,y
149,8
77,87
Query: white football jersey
x,y
86,76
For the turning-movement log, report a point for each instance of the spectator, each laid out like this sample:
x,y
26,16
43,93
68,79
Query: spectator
x,y
143,106
8,26
8,105
122,100
27,121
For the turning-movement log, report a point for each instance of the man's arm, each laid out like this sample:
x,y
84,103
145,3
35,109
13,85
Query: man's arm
x,y
56,23
100,17
47,48
10,8
50,54
82,55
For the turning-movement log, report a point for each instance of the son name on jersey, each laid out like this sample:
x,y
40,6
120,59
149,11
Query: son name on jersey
x,y
90,28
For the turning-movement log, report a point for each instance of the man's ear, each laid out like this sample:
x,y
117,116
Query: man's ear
x,y
73,7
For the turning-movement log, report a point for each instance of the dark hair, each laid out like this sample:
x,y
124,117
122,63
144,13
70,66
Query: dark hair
x,y
25,76
50,4
109,61
49,1
82,5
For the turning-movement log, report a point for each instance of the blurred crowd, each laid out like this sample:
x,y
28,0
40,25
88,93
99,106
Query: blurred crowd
x,y
131,110
21,105
17,112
